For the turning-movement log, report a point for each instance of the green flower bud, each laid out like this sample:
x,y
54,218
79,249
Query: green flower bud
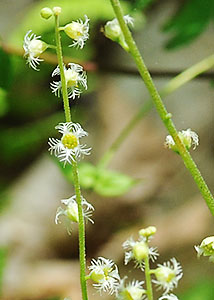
x,y
112,30
140,251
57,10
46,13
147,232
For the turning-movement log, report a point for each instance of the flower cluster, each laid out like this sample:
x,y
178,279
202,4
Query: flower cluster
x,y
188,137
105,274
34,46
68,148
75,78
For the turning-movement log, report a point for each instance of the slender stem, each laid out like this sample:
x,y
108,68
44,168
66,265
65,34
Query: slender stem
x,y
74,168
160,107
170,87
62,73
148,279
81,231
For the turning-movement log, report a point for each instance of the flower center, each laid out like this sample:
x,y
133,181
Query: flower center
x,y
74,30
36,47
71,77
70,141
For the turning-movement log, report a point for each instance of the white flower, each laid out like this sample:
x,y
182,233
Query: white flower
x,y
104,273
76,80
71,210
168,275
206,248
113,31
69,149
33,47
188,137
168,297
78,31
138,251
132,291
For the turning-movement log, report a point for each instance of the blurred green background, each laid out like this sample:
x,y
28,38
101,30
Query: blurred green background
x,y
145,183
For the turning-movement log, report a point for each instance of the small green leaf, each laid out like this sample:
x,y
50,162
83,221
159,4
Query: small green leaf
x,y
103,182
111,184
87,175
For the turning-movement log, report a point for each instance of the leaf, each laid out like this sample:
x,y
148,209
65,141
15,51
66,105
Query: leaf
x,y
6,70
111,184
189,22
87,175
103,182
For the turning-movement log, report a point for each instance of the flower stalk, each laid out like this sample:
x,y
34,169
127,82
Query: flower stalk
x,y
161,109
148,279
81,223
62,73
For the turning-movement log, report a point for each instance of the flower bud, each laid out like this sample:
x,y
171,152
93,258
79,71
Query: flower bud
x,y
46,13
140,251
57,10
147,232
112,30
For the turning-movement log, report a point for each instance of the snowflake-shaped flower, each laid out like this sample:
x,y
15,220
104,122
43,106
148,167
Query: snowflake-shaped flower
x,y
76,80
33,47
139,251
69,149
168,275
113,31
71,210
132,291
78,31
104,273
206,248
168,297
188,137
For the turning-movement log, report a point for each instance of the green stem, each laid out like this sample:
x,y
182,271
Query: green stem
x,y
148,279
74,167
170,87
81,231
160,107
62,73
